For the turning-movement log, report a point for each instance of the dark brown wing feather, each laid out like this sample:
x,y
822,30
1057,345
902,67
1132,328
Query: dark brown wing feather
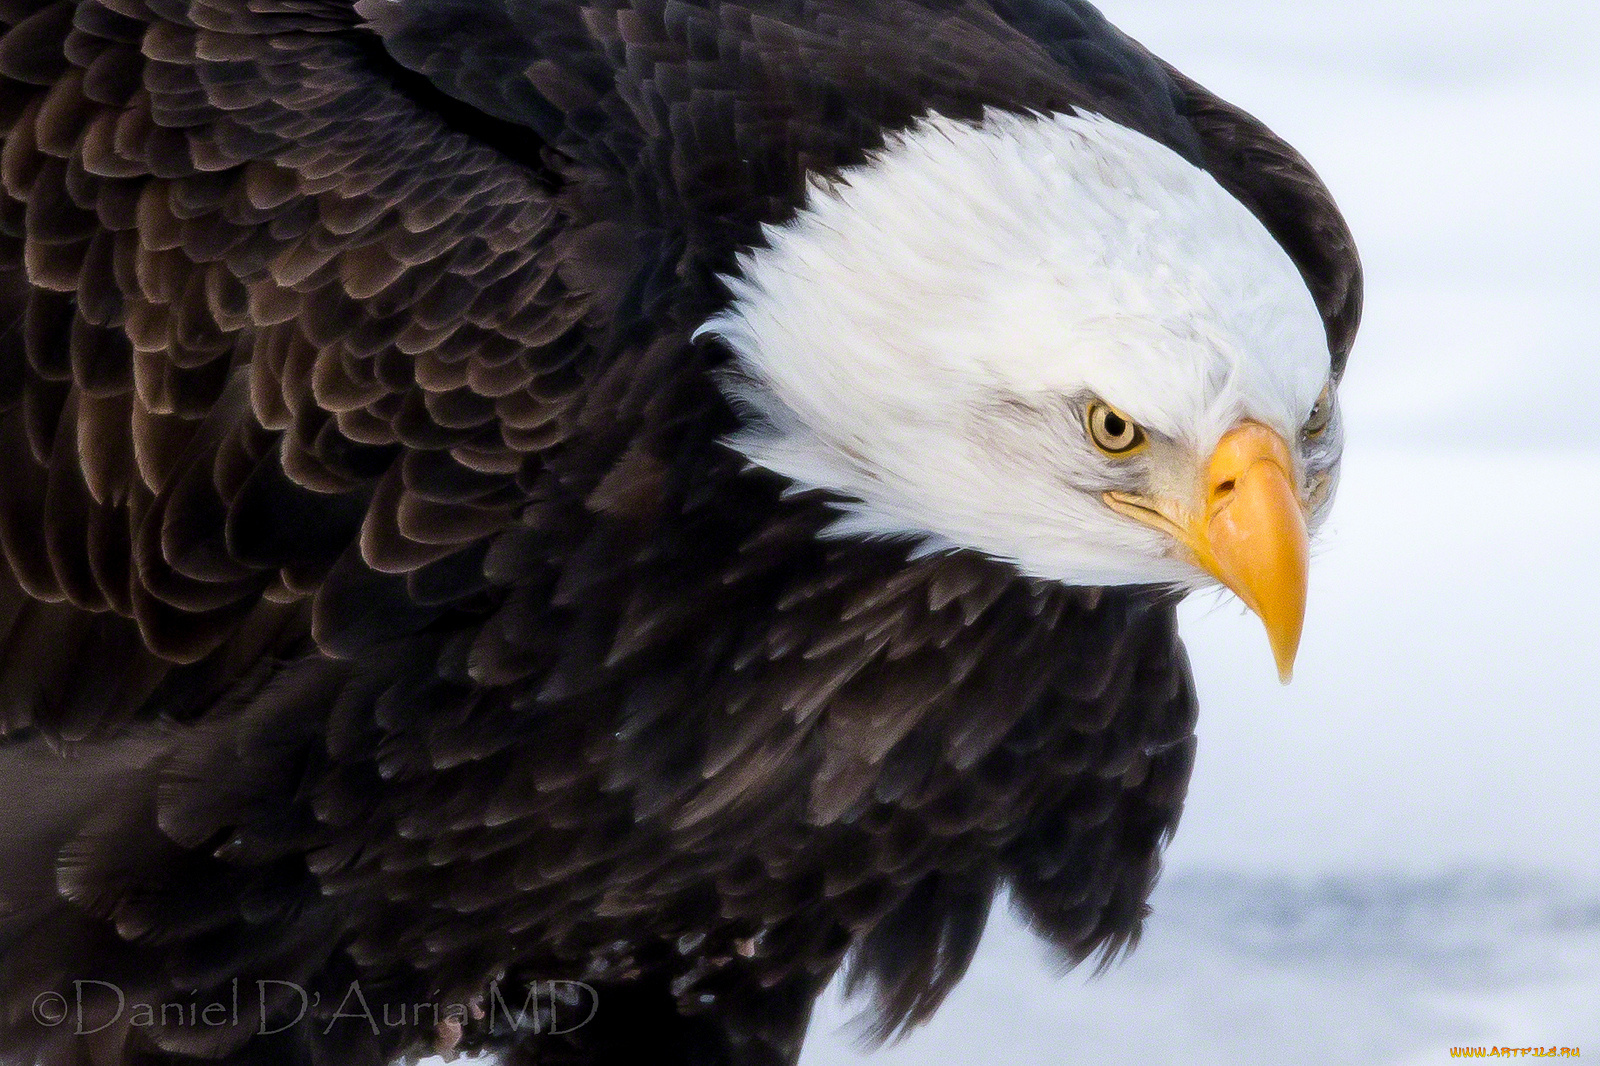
x,y
379,605
247,276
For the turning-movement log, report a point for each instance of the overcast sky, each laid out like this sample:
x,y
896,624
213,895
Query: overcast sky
x,y
1445,714
1446,706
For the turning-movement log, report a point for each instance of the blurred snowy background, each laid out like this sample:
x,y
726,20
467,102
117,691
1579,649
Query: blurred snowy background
x,y
1397,854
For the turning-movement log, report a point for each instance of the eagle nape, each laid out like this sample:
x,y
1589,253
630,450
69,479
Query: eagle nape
x,y
556,528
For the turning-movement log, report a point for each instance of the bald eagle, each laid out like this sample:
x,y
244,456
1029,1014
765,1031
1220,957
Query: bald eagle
x,y
553,526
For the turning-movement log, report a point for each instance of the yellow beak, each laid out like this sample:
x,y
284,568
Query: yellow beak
x,y
1248,530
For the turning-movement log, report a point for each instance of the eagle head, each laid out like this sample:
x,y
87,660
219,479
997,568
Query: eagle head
x,y
1052,340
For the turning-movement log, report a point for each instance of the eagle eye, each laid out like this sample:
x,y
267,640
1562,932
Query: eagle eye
x,y
1321,414
1112,431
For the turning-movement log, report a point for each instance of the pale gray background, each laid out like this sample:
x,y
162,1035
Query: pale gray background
x,y
1396,854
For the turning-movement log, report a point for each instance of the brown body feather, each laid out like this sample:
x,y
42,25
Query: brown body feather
x,y
378,604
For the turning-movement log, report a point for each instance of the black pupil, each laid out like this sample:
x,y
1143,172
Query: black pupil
x,y
1115,426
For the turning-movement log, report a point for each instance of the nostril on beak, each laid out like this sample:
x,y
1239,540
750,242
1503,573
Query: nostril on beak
x,y
1222,489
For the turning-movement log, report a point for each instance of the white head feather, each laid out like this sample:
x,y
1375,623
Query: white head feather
x,y
920,339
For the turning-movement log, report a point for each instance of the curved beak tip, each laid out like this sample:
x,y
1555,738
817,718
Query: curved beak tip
x,y
1255,541
1285,660
1247,530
